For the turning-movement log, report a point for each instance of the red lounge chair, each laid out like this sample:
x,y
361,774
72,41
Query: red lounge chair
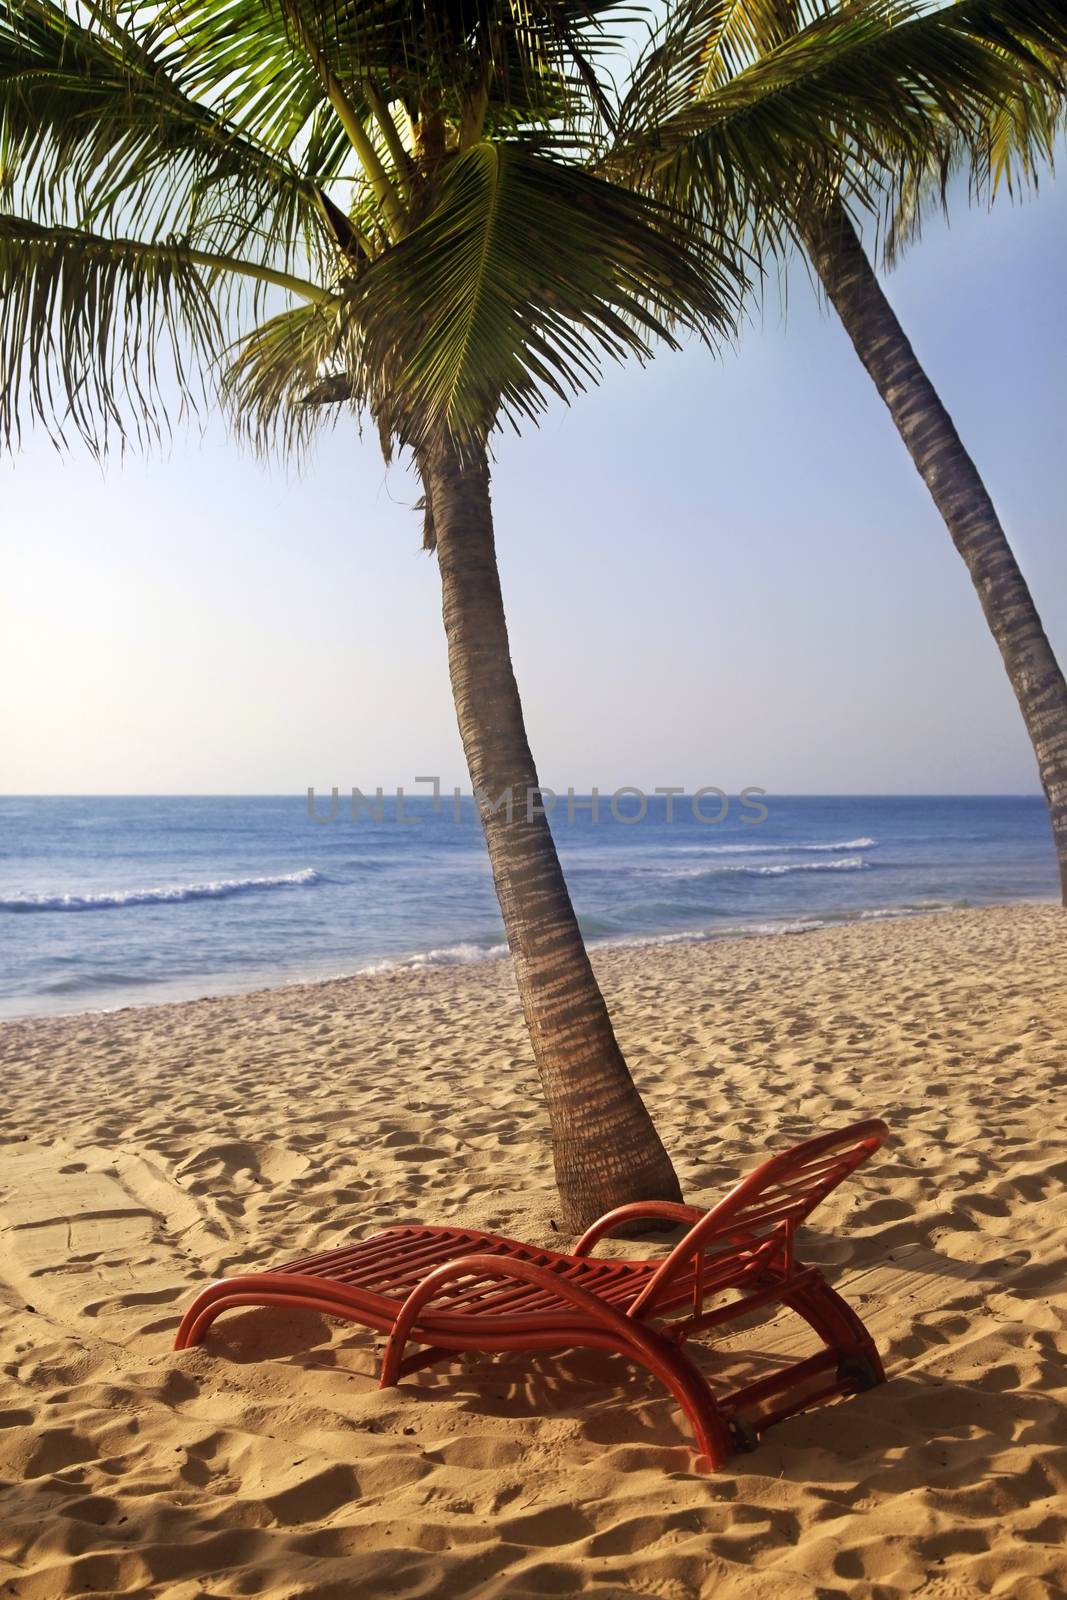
x,y
454,1289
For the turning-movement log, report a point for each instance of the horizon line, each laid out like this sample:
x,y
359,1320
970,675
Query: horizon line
x,y
583,794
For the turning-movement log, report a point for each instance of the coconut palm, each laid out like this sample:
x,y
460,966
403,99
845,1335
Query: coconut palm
x,y
1004,127
377,207
395,210
958,491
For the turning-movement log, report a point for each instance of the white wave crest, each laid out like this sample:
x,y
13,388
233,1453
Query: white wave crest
x,y
777,870
466,954
845,864
843,844
165,895
765,929
744,930
773,849
451,955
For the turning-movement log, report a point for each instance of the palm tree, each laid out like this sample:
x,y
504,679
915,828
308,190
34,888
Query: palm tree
x,y
396,185
1014,55
396,208
954,482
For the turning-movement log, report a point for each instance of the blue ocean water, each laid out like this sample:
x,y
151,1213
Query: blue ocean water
x,y
107,902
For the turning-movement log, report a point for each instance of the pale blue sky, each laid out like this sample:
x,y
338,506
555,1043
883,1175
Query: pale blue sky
x,y
715,572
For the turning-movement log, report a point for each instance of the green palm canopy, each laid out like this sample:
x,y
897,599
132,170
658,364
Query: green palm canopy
x,y
381,205
404,208
727,93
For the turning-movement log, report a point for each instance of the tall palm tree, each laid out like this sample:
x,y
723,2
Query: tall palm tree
x,y
395,208
958,491
372,205
1015,56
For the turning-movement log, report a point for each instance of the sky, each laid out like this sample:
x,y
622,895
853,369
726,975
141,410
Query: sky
x,y
717,572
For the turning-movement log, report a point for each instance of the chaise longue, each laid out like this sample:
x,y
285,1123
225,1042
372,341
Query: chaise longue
x,y
455,1289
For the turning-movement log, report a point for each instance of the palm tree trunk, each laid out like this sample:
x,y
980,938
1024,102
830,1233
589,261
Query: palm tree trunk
x,y
959,494
606,1149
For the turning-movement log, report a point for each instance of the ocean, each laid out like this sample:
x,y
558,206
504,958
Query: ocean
x,y
108,902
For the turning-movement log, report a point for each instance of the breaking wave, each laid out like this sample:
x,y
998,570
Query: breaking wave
x,y
845,864
451,955
169,894
774,849
777,869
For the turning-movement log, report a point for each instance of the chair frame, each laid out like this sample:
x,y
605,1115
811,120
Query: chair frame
x,y
496,1294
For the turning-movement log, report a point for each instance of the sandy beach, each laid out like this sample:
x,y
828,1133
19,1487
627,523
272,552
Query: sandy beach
x,y
149,1149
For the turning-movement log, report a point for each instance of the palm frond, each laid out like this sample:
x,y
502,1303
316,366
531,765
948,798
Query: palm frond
x,y
433,50
701,45
858,91
1011,147
522,277
241,56
97,125
92,325
283,377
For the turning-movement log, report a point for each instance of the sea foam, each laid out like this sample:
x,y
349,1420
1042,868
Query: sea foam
x,y
776,869
452,955
844,864
220,889
782,849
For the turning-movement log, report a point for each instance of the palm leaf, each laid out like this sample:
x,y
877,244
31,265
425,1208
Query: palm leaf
x,y
281,376
857,83
91,324
438,51
96,122
523,276
269,61
701,45
240,55
1014,142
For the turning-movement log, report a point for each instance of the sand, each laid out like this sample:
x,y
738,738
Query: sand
x,y
149,1149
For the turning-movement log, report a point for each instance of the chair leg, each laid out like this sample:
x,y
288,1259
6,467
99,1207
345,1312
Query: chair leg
x,y
202,1313
199,1317
716,1437
268,1289
841,1330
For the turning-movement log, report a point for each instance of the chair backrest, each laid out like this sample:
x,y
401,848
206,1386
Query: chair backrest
x,y
762,1213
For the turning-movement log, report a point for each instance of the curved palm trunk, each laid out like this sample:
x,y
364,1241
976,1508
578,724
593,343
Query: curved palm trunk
x,y
606,1148
959,494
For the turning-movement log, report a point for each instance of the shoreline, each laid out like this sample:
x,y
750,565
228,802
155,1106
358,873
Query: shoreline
x,y
443,959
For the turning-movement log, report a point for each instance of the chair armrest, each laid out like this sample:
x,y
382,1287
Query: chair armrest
x,y
636,1211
